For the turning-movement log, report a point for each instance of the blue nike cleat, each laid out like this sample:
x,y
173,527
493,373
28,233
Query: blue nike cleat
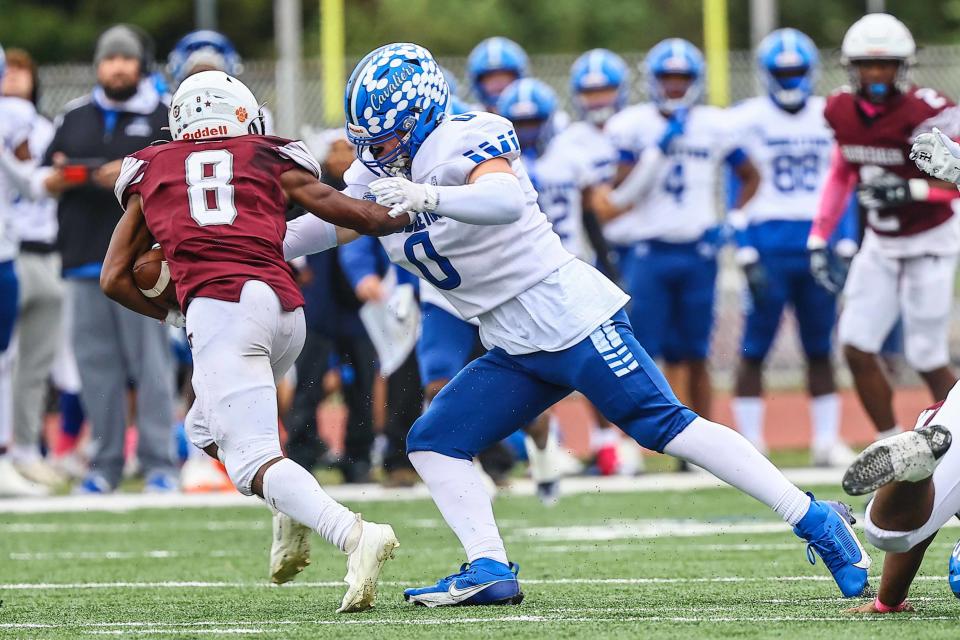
x,y
954,570
826,528
481,582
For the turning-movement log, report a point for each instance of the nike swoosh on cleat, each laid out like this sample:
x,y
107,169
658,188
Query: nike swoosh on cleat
x,y
458,593
865,561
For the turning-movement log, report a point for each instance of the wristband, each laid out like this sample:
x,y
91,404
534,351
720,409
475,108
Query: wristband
x,y
882,608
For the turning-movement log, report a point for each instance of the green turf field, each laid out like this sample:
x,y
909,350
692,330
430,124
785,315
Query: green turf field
x,y
593,566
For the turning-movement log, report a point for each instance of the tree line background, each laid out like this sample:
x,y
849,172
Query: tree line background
x,y
66,30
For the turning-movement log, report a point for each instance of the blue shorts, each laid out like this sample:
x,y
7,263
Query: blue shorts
x,y
445,346
498,393
672,291
789,282
9,301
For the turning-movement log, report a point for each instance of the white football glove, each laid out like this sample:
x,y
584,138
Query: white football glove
x,y
938,155
175,319
404,196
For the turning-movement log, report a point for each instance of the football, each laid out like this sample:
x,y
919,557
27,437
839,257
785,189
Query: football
x,y
152,276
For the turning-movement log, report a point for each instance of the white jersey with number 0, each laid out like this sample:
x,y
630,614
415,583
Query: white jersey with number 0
x,y
513,277
683,202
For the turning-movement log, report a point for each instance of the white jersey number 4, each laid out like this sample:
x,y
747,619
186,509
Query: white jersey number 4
x,y
208,187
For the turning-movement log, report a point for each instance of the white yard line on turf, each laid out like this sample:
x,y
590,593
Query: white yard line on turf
x,y
52,586
119,502
156,628
131,527
154,554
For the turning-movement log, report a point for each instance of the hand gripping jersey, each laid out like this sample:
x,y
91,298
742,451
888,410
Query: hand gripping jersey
x,y
683,202
884,142
475,267
218,210
574,160
16,123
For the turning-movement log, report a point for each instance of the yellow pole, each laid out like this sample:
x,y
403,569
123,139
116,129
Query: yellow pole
x,y
333,56
717,47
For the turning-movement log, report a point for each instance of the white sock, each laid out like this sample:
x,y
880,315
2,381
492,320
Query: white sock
x,y
748,418
889,433
291,489
825,412
459,493
543,462
731,458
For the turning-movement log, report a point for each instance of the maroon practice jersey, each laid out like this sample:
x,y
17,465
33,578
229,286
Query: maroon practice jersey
x,y
218,210
884,141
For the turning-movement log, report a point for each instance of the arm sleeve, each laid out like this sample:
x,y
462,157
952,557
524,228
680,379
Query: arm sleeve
x,y
359,259
840,182
131,174
308,234
495,198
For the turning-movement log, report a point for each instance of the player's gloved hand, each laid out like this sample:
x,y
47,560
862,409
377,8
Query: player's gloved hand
x,y
829,269
753,271
175,319
675,126
886,190
938,155
404,196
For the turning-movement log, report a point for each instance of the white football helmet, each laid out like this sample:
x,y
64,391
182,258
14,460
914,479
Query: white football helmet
x,y
878,36
211,104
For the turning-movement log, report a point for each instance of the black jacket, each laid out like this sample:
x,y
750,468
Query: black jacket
x,y
89,213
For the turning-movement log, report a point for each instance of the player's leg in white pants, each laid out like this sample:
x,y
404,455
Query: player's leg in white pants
x,y
926,300
240,350
946,484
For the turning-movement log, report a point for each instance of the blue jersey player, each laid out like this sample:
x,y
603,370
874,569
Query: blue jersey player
x,y
665,212
553,323
786,135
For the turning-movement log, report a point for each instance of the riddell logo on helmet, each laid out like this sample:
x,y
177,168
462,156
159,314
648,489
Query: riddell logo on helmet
x,y
206,132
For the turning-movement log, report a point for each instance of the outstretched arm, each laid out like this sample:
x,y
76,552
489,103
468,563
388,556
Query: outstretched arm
x,y
325,202
840,182
130,238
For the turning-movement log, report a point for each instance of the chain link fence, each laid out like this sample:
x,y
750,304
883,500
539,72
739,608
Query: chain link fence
x,y
936,67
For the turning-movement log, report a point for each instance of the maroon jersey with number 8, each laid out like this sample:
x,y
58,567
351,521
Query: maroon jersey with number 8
x,y
218,210
884,141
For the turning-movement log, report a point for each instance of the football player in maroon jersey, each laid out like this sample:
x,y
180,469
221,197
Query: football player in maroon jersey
x,y
906,264
215,200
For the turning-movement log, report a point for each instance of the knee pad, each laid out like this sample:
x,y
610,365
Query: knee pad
x,y
243,462
891,541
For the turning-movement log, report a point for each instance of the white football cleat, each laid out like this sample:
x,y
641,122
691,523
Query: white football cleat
x,y
14,485
911,456
37,470
290,551
376,546
833,455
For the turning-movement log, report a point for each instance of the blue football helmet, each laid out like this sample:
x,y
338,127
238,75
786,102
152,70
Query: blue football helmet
x,y
455,105
599,69
397,92
203,47
674,55
530,105
789,63
495,54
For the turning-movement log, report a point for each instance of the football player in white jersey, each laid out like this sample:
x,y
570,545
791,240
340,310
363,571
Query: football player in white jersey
x,y
16,123
784,133
553,323
664,213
